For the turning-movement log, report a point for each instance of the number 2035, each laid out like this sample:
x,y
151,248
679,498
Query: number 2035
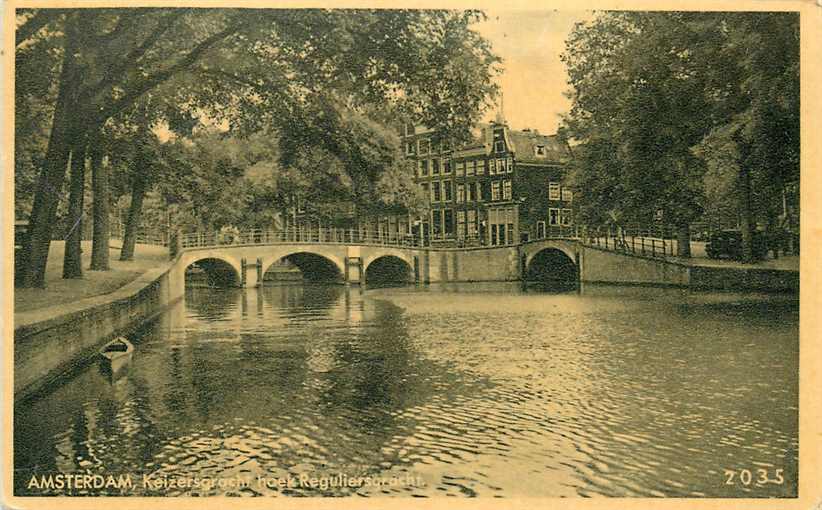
x,y
756,476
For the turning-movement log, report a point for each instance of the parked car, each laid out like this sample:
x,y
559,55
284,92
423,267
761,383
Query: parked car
x,y
728,243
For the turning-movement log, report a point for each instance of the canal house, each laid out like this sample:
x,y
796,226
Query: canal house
x,y
502,187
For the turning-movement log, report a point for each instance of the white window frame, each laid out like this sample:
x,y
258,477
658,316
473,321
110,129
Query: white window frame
x,y
567,195
558,216
507,189
495,190
554,191
499,146
424,142
566,217
460,192
460,170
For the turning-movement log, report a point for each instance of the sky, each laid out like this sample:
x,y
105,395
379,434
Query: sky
x,y
534,78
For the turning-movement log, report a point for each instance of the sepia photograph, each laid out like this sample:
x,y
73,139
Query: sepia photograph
x,y
400,252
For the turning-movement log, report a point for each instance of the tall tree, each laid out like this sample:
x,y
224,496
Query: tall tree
x,y
250,66
634,86
682,98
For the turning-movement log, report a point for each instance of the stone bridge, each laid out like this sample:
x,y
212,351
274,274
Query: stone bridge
x,y
354,260
346,256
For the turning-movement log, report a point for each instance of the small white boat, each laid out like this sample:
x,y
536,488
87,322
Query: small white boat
x,y
116,354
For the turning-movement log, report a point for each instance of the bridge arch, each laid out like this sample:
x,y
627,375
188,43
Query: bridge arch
x,y
389,268
315,265
212,270
551,264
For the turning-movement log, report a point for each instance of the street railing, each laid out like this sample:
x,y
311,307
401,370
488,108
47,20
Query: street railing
x,y
658,243
332,235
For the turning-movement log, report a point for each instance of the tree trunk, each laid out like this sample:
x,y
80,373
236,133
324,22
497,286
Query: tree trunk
x,y
746,213
683,241
134,212
100,187
72,255
50,183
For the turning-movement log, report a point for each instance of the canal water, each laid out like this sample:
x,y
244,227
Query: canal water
x,y
449,390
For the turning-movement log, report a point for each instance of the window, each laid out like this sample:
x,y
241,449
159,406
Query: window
x,y
472,222
499,146
493,235
539,150
409,129
501,166
435,166
480,167
470,167
448,217
424,146
506,189
510,237
492,167
565,216
460,193
410,148
553,217
540,230
423,168
460,168
425,190
510,165
446,167
436,222
479,194
567,195
501,234
447,191
472,194
495,190
460,224
436,191
553,191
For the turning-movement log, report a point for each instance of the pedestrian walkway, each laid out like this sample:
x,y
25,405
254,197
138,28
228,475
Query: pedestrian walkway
x,y
94,283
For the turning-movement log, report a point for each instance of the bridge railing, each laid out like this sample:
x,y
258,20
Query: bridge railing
x,y
299,235
644,242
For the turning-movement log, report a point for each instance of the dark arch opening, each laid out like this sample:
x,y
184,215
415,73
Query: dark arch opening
x,y
302,267
211,273
552,267
388,270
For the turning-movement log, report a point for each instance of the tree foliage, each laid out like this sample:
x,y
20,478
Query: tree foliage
x,y
676,111
252,69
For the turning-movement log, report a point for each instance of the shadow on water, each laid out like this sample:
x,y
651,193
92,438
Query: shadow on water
x,y
460,379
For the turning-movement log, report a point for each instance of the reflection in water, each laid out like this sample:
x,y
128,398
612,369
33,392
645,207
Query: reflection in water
x,y
479,389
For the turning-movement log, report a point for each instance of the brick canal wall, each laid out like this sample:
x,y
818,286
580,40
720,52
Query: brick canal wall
x,y
601,266
472,265
51,341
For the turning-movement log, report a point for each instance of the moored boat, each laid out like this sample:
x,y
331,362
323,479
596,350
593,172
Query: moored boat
x,y
116,354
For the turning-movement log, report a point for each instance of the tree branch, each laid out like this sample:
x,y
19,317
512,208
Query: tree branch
x,y
161,76
135,54
42,18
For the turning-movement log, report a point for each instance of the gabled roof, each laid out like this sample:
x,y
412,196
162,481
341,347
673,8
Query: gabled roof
x,y
532,147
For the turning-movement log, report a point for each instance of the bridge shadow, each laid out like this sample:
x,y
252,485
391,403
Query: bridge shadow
x,y
302,267
388,271
211,272
551,270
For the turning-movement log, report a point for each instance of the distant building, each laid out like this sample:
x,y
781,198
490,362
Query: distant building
x,y
503,187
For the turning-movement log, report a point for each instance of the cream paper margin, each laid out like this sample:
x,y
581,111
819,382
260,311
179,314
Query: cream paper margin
x,y
810,401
